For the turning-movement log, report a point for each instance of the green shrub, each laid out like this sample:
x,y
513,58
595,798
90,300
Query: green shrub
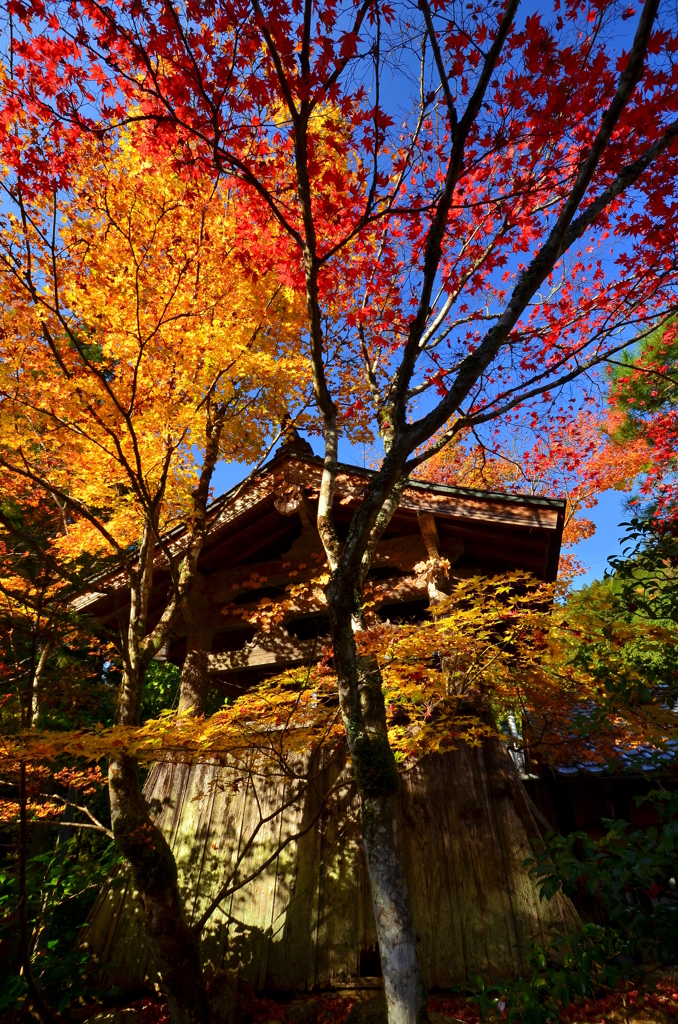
x,y
631,874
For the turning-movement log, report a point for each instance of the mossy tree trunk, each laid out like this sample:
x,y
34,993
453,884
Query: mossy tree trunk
x,y
173,945
364,716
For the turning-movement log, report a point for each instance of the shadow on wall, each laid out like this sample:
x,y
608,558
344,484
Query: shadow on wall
x,y
306,922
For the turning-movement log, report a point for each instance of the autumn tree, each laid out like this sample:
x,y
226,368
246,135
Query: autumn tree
x,y
503,231
644,405
595,683
29,616
50,675
576,457
142,341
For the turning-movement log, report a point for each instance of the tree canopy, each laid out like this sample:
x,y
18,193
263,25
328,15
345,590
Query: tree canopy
x,y
218,215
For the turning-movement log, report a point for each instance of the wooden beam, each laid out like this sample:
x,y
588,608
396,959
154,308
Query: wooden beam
x,y
276,649
301,563
408,588
225,586
310,603
401,552
462,504
237,522
481,509
242,544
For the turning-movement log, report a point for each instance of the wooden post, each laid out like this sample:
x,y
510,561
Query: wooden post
x,y
429,531
436,571
194,674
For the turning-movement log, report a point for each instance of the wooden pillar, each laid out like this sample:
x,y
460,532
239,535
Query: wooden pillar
x,y
194,675
429,532
436,571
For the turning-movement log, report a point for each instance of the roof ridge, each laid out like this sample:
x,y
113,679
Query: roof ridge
x,y
285,455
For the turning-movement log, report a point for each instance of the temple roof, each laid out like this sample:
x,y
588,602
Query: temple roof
x,y
262,536
500,531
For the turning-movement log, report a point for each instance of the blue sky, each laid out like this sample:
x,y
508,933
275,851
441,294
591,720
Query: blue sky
x,y
610,511
594,552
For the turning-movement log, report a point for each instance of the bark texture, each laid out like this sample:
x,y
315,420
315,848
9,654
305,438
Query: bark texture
x,y
364,716
172,945
378,785
403,982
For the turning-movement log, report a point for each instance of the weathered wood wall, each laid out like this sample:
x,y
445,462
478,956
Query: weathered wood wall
x,y
306,922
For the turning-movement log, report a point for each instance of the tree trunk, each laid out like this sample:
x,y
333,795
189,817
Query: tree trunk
x,y
174,946
403,982
35,688
364,715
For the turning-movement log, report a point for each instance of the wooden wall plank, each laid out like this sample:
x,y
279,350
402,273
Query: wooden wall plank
x,y
304,921
295,964
338,912
251,907
275,973
431,875
230,799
